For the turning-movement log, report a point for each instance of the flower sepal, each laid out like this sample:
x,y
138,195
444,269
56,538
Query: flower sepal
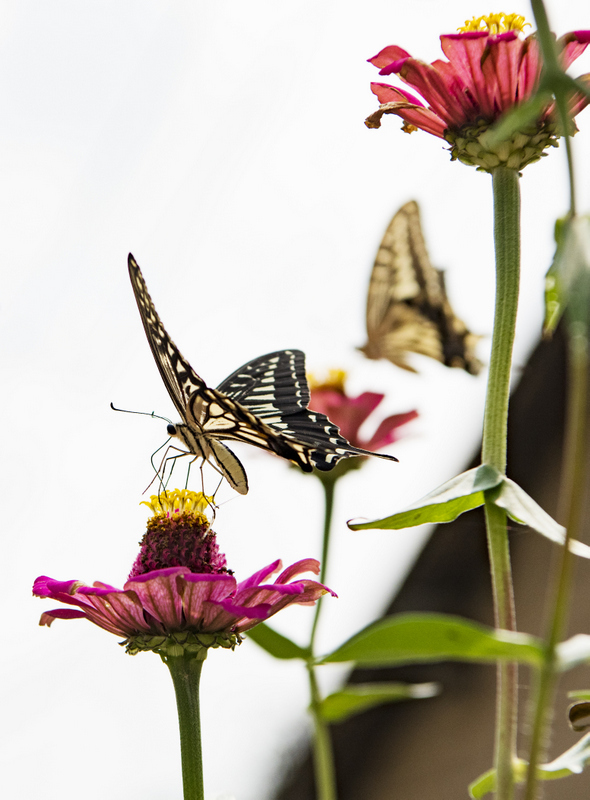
x,y
181,643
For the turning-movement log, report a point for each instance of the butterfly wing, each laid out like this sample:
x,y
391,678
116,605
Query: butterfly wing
x,y
274,388
179,377
407,305
269,385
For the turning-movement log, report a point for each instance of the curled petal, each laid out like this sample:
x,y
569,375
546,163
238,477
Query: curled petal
x,y
580,102
305,565
572,46
390,53
412,115
60,613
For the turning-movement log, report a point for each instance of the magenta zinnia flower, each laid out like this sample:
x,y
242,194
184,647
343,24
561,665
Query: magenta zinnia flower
x,y
349,413
488,72
187,601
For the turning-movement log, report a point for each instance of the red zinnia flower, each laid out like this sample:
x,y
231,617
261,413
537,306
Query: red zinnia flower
x,y
188,600
349,413
488,72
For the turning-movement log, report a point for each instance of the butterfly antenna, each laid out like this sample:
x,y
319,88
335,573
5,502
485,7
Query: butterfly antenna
x,y
144,413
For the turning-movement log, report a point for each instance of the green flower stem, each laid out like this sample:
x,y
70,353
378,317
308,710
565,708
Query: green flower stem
x,y
572,500
329,485
507,246
323,755
186,674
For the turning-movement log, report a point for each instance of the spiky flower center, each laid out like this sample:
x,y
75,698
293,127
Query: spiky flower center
x,y
178,501
179,535
495,23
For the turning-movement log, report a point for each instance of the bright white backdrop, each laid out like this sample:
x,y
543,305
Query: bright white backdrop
x,y
224,145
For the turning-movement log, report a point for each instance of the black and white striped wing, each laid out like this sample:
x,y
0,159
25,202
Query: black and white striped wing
x,y
269,385
274,387
179,377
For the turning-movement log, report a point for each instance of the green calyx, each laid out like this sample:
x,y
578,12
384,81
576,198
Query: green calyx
x,y
469,146
181,643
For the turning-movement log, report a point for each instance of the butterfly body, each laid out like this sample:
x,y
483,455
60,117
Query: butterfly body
x,y
263,403
407,305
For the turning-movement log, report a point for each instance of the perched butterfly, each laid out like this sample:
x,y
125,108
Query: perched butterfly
x,y
263,403
407,305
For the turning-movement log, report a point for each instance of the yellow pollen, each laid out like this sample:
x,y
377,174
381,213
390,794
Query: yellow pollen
x,y
334,381
495,23
178,501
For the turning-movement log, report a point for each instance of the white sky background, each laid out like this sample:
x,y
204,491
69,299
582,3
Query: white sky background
x,y
224,145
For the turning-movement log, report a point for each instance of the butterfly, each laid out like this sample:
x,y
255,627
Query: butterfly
x,y
407,305
263,403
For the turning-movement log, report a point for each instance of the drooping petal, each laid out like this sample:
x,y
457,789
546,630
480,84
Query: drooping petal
x,y
305,565
60,613
572,46
580,102
158,594
387,432
390,53
200,594
261,575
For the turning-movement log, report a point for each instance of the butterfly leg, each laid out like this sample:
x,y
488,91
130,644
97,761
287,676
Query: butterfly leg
x,y
160,470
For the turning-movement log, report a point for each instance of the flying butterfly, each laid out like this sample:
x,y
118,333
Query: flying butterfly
x,y
263,403
407,305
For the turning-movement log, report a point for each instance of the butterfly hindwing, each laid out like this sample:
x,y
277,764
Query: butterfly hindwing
x,y
407,305
270,385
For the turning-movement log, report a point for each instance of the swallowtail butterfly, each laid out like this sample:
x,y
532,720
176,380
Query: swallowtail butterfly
x,y
263,403
407,305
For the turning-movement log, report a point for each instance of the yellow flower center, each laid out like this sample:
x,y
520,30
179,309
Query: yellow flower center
x,y
334,381
178,501
495,23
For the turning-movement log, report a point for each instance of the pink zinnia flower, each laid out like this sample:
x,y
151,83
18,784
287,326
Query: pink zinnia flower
x,y
349,413
488,72
187,600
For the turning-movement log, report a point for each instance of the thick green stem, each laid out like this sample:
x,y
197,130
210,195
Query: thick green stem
x,y
186,674
323,755
572,500
507,248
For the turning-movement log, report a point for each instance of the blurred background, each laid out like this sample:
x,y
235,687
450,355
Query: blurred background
x,y
224,145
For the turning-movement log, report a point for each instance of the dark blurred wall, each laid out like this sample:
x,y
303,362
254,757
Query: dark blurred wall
x,y
434,748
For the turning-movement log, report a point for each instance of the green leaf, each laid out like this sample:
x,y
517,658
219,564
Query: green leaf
x,y
444,504
572,762
522,508
579,694
362,696
276,644
573,652
411,638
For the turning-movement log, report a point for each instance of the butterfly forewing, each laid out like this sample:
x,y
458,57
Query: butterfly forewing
x,y
179,377
407,305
